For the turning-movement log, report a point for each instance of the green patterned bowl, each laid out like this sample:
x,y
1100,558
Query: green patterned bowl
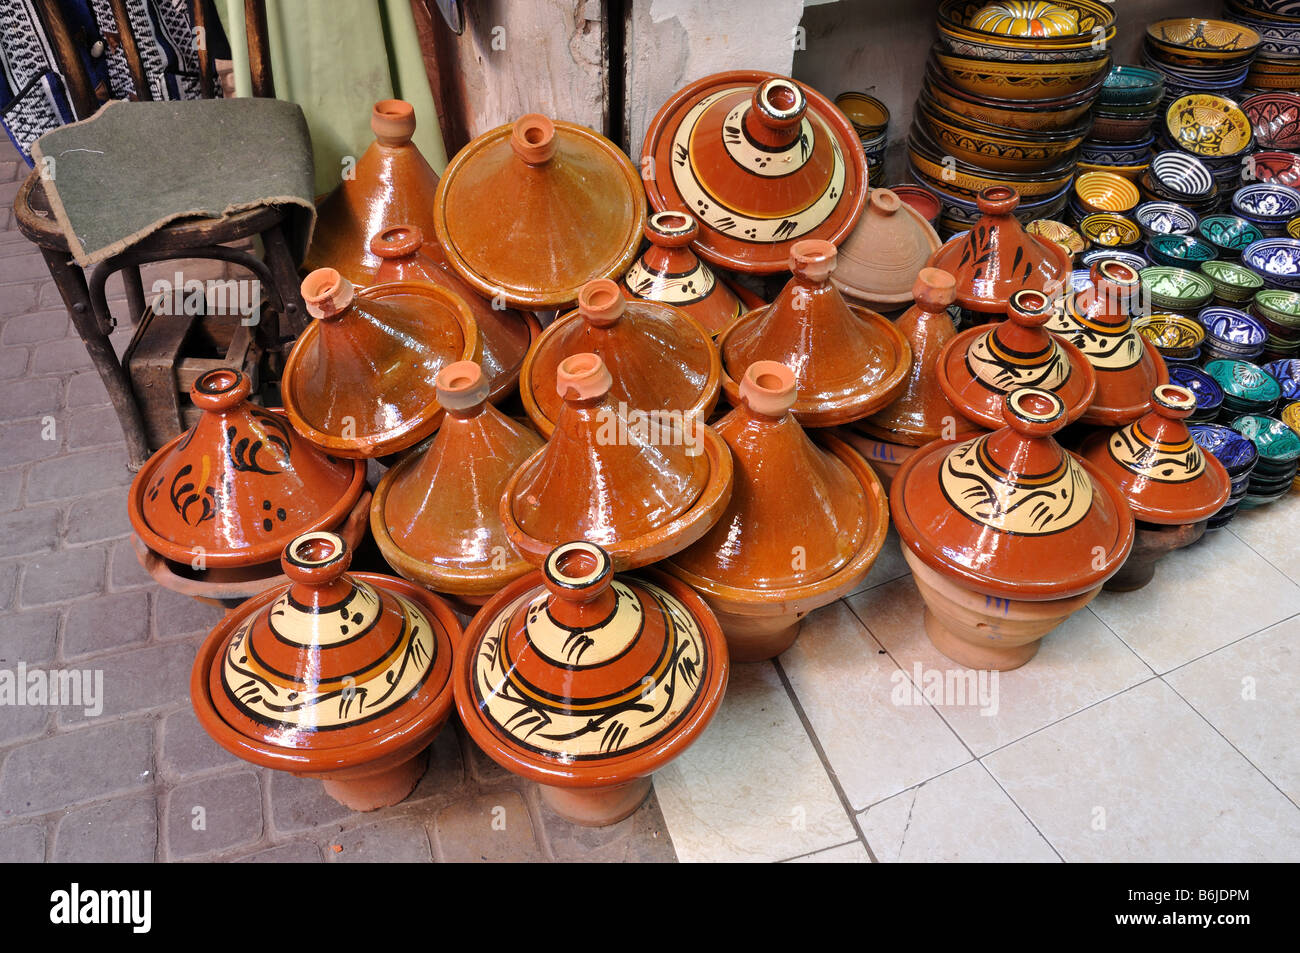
x,y
1245,382
1275,441
1176,289
1279,306
1232,282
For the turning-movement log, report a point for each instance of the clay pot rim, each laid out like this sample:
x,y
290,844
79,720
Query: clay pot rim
x,y
1162,516
402,436
968,301
867,296
605,771
1103,416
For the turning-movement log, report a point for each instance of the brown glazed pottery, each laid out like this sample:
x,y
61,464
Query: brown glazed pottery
x,y
435,515
803,527
997,257
660,358
641,486
1097,321
1172,486
359,381
391,184
848,362
983,364
340,676
587,682
885,457
761,161
1007,534
878,263
534,210
406,254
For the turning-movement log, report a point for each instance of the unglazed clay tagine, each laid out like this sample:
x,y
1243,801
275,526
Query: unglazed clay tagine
x,y
848,362
340,676
587,682
1007,534
878,263
660,358
761,161
436,513
534,210
359,381
983,364
642,486
407,254
803,527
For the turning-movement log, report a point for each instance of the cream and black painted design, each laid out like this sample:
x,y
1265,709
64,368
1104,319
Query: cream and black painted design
x,y
676,288
1138,451
1001,369
1023,505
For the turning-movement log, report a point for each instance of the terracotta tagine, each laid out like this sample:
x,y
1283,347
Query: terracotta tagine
x,y
803,527
340,676
359,381
761,161
588,683
983,364
848,362
435,515
1172,486
878,263
997,257
1007,534
1097,321
534,210
406,254
641,487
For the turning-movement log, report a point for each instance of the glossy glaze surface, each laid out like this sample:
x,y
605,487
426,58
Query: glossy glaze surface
x,y
879,261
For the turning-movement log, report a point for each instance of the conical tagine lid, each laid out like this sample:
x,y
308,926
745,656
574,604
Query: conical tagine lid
x,y
236,487
1011,513
878,263
660,358
535,210
848,362
641,486
761,161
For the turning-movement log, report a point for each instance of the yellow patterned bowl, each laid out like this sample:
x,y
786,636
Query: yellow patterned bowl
x,y
970,180
1208,125
1095,19
1058,232
1193,41
1293,227
1021,81
1036,18
1038,116
1130,172
1106,192
1108,230
1171,334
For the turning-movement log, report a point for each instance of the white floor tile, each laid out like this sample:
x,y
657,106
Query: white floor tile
x,y
853,853
1273,531
889,563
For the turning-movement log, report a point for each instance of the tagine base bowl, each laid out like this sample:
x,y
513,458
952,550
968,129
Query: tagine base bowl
x,y
384,788
1151,543
752,638
596,807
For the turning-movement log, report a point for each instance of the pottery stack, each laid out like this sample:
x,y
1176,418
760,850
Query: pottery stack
x,y
870,118
1277,64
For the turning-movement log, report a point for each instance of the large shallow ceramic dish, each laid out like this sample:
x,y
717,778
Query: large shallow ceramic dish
x,y
1105,192
1208,125
1003,151
1037,115
1021,81
1094,19
1276,260
1195,40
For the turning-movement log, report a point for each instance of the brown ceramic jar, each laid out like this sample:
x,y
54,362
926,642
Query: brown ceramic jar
x,y
879,262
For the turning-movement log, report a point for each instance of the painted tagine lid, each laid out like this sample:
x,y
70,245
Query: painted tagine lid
x,y
406,253
1163,474
997,257
390,184
236,487
331,670
1097,321
1011,513
983,364
641,486
435,514
878,262
660,358
575,677
359,380
534,210
761,161
848,362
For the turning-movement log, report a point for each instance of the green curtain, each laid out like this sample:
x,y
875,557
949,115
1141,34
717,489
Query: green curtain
x,y
336,60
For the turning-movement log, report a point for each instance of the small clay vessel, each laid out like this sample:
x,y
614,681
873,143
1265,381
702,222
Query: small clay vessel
x,y
642,487
359,381
879,261
848,362
340,676
435,515
588,683
803,527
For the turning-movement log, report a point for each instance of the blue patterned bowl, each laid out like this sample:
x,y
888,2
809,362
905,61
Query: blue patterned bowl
x,y
1237,453
1132,259
1286,373
1276,260
1267,202
1232,330
1164,218
1179,251
1229,233
1208,394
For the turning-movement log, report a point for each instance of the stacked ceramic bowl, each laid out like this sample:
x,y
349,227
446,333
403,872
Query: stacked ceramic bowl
x,y
1287,374
1229,234
1177,337
1268,206
1234,284
1208,394
1231,335
1175,289
1279,312
1247,388
1276,260
1277,64
1121,138
1196,55
1279,453
870,119
1181,179
1238,456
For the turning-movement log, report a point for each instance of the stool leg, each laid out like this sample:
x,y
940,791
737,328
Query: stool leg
x,y
280,260
134,292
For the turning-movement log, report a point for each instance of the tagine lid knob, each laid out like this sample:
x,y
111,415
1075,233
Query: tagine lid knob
x,y
393,122
397,241
768,388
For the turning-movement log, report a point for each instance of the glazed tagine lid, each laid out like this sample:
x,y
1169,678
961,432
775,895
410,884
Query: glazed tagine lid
x,y
980,366
997,257
330,670
878,262
1097,321
1011,513
1163,474
406,254
641,486
669,272
236,487
391,184
359,381
761,161
534,210
848,362
575,677
660,358
435,514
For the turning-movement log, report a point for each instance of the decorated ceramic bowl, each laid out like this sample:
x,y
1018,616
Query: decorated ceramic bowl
x,y
1193,40
1208,125
1275,119
869,116
1181,174
1208,394
1244,383
1021,81
1235,452
1232,282
1229,234
1228,326
1131,86
1279,306
1176,289
1172,334
1287,374
1095,21
1105,192
1109,230
1277,260
1057,232
1276,442
1280,167
1131,258
1041,115
1164,218
1036,18
1268,202
1010,151
1181,251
